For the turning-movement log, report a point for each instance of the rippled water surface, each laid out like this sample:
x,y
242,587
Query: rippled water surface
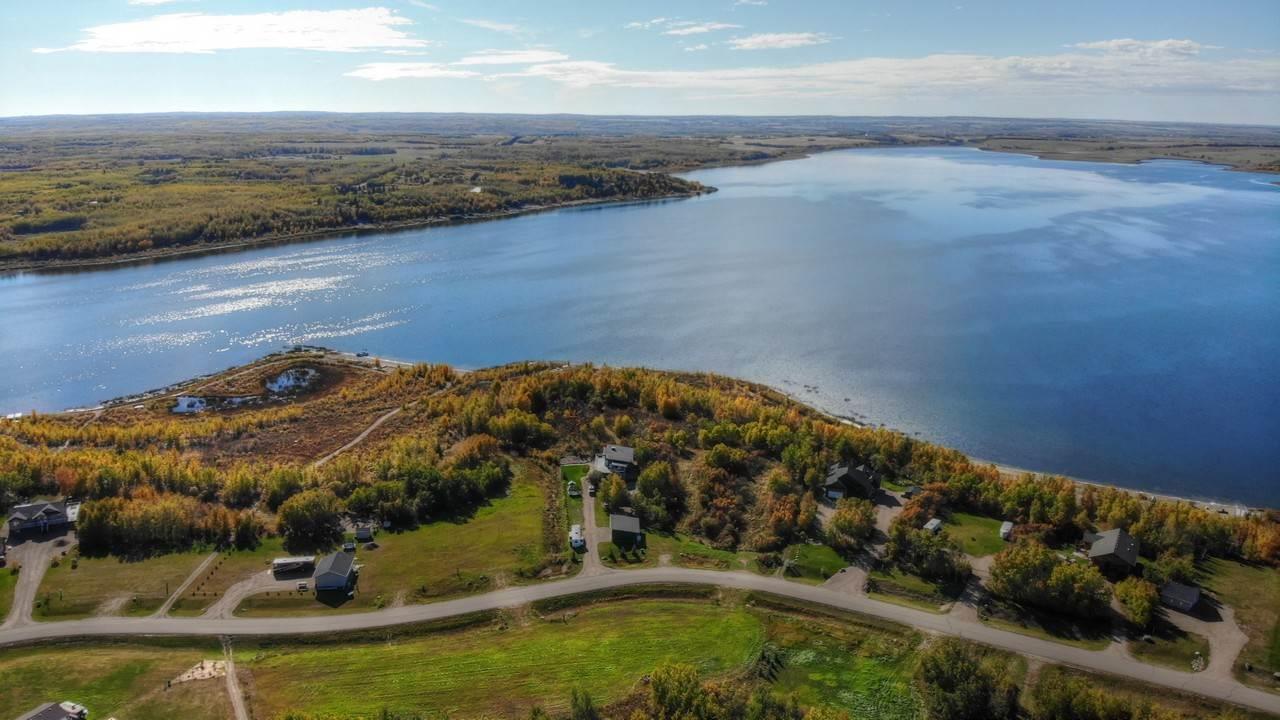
x,y
1118,323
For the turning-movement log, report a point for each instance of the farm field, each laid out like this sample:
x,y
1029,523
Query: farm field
x,y
437,560
111,585
124,680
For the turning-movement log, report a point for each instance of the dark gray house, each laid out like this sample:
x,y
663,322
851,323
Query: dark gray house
x,y
40,517
335,572
1113,550
1180,597
625,532
364,534
57,711
846,479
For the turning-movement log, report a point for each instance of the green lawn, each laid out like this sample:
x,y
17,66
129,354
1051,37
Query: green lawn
x,y
125,680
602,516
573,505
493,671
862,670
895,586
812,563
496,547
1046,626
684,550
1170,647
978,536
124,587
8,581
230,568
1253,591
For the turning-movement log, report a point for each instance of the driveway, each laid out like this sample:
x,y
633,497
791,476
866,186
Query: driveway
x,y
34,556
591,564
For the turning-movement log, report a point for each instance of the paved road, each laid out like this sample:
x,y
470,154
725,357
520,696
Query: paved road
x,y
1103,661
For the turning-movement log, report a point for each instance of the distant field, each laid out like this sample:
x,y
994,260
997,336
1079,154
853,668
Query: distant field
x,y
437,560
111,585
470,673
124,680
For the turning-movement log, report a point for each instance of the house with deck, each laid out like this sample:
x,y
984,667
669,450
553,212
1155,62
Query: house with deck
x,y
1113,550
42,517
849,480
617,460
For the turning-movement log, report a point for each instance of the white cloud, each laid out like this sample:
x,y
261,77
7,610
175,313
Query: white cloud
x,y
512,57
692,28
646,24
508,28
756,3
424,5
1147,48
326,30
379,71
778,41
152,2
1074,74
697,48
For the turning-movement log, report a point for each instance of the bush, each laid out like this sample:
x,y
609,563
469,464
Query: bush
x,y
1140,599
956,684
1031,573
310,520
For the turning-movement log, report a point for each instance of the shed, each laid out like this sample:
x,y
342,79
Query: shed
x,y
1006,530
934,526
364,534
625,532
1179,596
1114,550
335,572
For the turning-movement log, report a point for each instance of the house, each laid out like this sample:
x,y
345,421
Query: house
x,y
364,534
1180,597
625,532
41,517
1114,550
335,572
289,565
57,711
846,479
1006,530
934,526
187,404
614,460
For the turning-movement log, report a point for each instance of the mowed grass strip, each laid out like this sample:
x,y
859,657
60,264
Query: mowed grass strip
x,y
111,585
978,536
435,561
231,567
124,680
488,671
8,581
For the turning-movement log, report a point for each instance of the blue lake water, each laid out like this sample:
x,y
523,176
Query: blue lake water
x,y
1116,323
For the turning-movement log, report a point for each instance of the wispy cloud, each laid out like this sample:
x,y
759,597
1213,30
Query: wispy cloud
x,y
1147,48
646,24
501,27
697,28
696,48
323,30
778,41
756,3
379,71
424,5
512,57
152,2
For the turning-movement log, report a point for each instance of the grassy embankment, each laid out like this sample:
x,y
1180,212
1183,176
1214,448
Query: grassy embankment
x,y
111,585
434,561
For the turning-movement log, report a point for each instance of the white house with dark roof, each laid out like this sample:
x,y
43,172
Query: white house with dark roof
x,y
614,460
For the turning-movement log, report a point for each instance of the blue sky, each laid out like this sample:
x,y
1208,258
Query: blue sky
x,y
1168,60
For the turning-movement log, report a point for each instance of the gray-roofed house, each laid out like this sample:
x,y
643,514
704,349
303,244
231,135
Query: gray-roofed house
x,y
364,534
38,517
625,532
844,479
335,572
614,460
57,711
1114,550
1179,596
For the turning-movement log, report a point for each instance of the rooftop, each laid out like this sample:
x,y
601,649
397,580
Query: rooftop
x,y
619,453
33,510
339,563
625,523
1115,542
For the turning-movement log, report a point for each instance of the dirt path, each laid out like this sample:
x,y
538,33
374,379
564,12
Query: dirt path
x,y
195,574
358,439
225,606
34,558
591,564
233,682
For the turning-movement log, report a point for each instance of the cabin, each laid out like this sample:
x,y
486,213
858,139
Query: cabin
x,y
1183,598
934,526
614,460
335,572
1006,530
844,480
64,710
291,565
1113,550
625,532
42,517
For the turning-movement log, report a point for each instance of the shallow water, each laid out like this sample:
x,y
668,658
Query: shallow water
x,y
1117,323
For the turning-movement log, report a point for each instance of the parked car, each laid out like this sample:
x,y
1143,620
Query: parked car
x,y
576,540
349,547
573,490
302,586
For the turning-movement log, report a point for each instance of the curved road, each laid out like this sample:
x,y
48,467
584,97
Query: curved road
x,y
1102,661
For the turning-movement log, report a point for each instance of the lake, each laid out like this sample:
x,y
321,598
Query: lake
x,y
1119,323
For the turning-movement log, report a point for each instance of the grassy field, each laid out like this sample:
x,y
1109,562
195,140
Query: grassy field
x,y
125,680
8,581
683,550
573,506
863,670
895,586
503,670
230,568
1171,647
978,536
438,560
812,563
1254,593
111,585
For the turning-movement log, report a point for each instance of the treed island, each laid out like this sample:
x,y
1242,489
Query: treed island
x,y
398,486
